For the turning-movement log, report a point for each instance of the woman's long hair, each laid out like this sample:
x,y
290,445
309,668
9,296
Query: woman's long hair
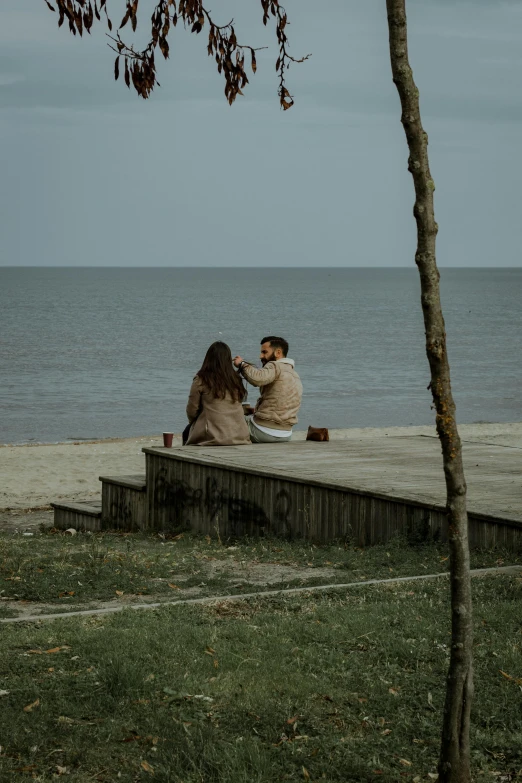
x,y
217,374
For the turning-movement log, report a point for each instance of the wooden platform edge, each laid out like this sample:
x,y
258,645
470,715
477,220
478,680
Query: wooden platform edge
x,y
176,454
136,482
80,516
87,507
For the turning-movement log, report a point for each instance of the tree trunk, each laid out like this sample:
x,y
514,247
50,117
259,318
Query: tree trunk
x,y
454,763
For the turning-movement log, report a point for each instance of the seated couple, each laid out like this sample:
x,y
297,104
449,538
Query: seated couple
x,y
215,405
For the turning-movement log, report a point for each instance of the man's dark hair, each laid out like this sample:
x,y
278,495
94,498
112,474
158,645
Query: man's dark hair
x,y
277,342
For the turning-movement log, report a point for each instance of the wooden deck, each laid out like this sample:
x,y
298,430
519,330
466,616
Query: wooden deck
x,y
363,490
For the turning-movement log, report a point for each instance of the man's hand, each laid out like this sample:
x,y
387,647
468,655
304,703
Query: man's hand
x,y
237,361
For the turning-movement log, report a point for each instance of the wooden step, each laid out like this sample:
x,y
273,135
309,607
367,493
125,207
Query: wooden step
x,y
124,502
81,515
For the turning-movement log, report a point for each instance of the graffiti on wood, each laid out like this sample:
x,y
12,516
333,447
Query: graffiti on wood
x,y
218,506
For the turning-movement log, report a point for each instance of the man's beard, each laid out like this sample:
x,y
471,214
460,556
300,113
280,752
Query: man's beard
x,y
271,358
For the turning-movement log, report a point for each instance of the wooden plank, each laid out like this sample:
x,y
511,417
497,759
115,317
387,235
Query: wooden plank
x,y
124,504
87,507
136,482
80,516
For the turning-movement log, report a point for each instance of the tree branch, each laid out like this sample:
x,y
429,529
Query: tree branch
x,y
140,65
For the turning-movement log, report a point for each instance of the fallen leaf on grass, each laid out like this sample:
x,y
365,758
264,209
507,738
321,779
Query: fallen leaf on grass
x,y
306,774
119,592
174,587
132,738
71,721
394,691
433,776
30,707
209,650
291,721
61,770
4,693
405,762
516,680
147,767
386,732
66,594
48,652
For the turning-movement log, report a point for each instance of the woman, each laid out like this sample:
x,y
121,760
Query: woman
x,y
214,407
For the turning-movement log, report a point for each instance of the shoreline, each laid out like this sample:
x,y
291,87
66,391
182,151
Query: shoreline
x,y
34,475
486,428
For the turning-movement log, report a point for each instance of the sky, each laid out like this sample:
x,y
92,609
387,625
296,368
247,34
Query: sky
x,y
92,175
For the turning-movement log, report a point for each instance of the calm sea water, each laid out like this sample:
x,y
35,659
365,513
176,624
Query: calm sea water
x,y
92,353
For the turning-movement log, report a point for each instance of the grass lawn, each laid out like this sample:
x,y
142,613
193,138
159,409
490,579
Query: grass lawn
x,y
70,571
342,686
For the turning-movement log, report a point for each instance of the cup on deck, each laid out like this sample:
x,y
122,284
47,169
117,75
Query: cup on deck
x,y
167,439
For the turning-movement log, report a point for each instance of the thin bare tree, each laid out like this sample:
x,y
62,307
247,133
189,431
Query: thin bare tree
x,y
140,70
454,763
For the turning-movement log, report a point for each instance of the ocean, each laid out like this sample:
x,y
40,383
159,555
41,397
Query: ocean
x,y
98,353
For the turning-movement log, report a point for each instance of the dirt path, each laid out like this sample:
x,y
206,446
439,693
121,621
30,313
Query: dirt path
x,y
27,610
228,573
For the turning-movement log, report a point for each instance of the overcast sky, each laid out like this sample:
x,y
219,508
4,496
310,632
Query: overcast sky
x,y
90,174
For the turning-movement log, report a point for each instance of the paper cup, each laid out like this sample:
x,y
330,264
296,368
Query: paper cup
x,y
167,439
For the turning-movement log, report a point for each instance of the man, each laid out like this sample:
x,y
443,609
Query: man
x,y
281,391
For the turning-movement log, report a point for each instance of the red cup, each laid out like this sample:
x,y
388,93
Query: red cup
x,y
167,439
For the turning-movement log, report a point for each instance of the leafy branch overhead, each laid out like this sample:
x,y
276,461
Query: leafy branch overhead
x,y
139,66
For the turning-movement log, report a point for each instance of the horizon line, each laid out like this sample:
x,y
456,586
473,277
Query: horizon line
x,y
97,266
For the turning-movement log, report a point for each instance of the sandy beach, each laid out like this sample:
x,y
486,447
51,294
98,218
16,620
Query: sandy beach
x,y
34,476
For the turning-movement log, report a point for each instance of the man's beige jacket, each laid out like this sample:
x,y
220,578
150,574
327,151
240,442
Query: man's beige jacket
x,y
281,393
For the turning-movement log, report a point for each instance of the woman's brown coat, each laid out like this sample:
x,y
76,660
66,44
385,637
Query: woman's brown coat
x,y
215,422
